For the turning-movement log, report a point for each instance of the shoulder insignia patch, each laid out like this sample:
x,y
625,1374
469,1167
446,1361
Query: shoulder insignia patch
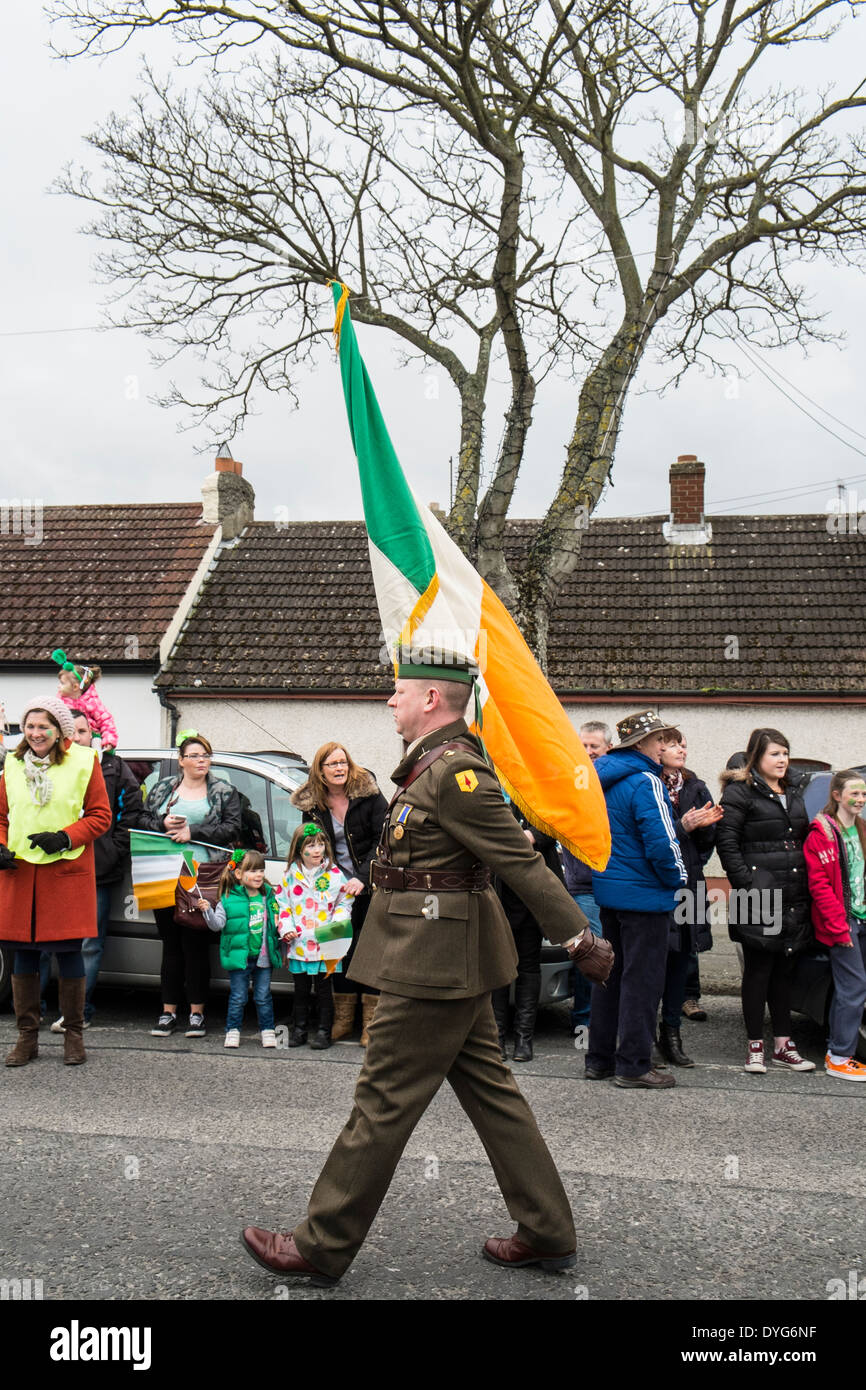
x,y
466,781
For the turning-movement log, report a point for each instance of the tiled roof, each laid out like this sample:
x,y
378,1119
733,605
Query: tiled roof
x,y
772,604
100,580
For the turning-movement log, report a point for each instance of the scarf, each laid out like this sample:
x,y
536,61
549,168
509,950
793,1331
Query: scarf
x,y
38,781
673,780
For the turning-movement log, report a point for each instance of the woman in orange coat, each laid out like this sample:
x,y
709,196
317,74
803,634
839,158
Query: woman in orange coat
x,y
53,806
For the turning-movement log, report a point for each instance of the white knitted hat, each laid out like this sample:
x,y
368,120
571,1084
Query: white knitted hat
x,y
54,706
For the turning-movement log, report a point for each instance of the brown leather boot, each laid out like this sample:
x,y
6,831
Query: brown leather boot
x,y
368,1013
25,996
344,1016
70,995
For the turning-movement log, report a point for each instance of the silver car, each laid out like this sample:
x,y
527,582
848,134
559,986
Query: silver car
x,y
265,782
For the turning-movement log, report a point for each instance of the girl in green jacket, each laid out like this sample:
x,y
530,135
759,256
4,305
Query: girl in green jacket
x,y
246,917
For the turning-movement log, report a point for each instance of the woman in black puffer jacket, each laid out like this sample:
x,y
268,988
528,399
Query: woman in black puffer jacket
x,y
760,843
345,801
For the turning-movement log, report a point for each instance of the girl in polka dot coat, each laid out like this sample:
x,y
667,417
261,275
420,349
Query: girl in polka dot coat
x,y
311,895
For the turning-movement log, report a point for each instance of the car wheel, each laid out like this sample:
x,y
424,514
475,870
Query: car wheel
x,y
6,953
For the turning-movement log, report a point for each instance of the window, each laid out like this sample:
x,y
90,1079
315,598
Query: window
x,y
286,819
253,792
146,771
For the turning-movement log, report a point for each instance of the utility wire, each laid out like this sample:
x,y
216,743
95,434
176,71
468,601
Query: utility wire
x,y
789,492
820,423
770,367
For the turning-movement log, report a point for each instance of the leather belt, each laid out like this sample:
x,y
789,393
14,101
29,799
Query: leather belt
x,y
430,881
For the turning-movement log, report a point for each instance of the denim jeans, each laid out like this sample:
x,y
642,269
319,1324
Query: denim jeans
x,y
27,960
848,965
239,987
93,946
581,986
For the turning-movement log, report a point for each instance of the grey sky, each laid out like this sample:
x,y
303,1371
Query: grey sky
x,y
77,424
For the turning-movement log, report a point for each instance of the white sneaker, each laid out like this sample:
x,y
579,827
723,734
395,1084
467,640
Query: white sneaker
x,y
269,1037
233,1038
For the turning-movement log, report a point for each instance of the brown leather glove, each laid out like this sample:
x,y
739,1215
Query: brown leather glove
x,y
593,957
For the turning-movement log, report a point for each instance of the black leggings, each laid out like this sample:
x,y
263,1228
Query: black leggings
x,y
767,979
185,960
527,937
324,990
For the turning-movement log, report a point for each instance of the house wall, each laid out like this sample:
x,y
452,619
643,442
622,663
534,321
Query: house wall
x,y
833,733
130,698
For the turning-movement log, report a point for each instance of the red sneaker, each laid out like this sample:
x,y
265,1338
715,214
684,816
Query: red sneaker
x,y
788,1056
755,1059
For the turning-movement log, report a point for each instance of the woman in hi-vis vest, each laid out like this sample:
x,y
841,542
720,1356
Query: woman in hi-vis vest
x,y
52,807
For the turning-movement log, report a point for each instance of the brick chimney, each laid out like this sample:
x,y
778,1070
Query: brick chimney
x,y
687,525
228,500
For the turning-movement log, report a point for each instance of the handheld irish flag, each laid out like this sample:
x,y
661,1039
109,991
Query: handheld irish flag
x,y
159,864
431,597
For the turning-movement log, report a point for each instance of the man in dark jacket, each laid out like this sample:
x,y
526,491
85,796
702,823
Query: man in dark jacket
x,y
636,894
111,857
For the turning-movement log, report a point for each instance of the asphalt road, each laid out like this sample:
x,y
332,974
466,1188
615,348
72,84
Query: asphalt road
x,y
130,1178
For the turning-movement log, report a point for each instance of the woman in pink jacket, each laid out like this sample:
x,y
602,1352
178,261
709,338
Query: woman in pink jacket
x,y
835,851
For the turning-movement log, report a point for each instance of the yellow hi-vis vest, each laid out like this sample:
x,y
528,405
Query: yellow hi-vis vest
x,y
69,781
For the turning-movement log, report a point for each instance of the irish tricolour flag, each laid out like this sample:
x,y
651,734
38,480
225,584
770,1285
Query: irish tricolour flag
x,y
431,597
159,863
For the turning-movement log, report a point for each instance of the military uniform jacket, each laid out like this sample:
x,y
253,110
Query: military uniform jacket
x,y
454,945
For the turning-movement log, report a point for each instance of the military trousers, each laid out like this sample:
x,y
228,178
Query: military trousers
x,y
415,1045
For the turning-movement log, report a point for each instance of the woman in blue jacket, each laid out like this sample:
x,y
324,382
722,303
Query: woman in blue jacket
x,y
637,895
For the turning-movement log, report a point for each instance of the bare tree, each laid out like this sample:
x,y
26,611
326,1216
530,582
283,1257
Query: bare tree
x,y
659,125
231,205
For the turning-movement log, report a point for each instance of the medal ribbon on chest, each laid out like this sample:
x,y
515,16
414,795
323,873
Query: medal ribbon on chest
x,y
400,823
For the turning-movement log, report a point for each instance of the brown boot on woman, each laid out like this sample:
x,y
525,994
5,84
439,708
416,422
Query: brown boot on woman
x,y
368,1013
25,996
70,995
344,1016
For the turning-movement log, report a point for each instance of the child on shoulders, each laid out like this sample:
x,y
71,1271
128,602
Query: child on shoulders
x,y
75,689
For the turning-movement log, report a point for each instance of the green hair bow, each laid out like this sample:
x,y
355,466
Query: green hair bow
x,y
63,661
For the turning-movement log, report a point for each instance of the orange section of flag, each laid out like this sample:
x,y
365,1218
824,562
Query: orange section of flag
x,y
535,748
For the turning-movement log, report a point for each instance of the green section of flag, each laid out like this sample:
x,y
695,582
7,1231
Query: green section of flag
x,y
390,513
332,931
147,842
150,844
